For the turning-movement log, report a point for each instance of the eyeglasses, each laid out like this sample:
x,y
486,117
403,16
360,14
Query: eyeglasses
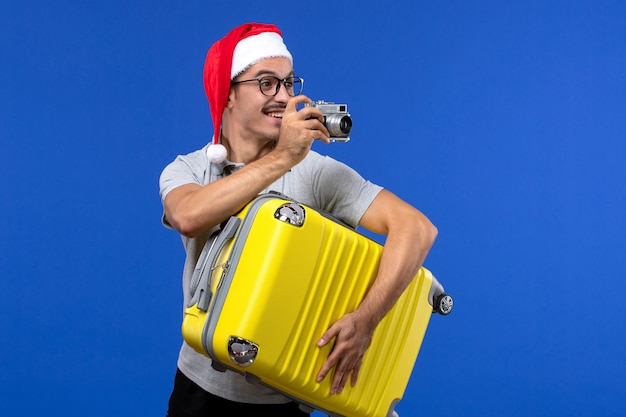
x,y
270,85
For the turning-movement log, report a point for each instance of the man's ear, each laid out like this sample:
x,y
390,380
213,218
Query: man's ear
x,y
232,97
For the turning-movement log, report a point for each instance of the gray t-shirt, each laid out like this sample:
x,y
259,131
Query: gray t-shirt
x,y
319,182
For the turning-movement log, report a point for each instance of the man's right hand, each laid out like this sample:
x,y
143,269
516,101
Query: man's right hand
x,y
300,128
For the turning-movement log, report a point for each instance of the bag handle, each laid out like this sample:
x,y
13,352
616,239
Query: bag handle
x,y
200,285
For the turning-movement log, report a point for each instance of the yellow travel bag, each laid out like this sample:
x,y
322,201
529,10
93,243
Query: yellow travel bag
x,y
275,278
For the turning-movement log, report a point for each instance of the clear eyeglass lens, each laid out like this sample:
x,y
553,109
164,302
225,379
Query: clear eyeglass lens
x,y
268,85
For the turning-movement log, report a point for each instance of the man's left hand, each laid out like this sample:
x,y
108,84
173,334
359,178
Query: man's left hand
x,y
352,338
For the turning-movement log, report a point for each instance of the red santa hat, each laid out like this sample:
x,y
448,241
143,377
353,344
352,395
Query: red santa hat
x,y
230,56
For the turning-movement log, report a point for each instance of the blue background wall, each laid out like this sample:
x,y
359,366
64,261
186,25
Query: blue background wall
x,y
503,121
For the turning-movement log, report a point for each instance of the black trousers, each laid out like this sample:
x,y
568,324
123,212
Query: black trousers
x,y
189,400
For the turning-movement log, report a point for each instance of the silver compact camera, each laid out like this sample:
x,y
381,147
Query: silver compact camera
x,y
336,119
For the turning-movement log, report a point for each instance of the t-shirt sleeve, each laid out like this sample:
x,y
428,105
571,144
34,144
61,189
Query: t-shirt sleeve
x,y
177,173
185,169
343,191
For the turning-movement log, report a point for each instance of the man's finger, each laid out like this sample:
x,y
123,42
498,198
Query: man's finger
x,y
293,102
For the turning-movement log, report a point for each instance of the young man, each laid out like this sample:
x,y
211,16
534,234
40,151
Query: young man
x,y
262,142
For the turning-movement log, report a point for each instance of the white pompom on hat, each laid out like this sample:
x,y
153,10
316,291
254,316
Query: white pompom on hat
x,y
230,56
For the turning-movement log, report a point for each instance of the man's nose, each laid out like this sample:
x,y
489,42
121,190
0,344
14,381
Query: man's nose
x,y
282,93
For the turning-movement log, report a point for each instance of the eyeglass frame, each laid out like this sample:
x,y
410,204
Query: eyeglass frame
x,y
280,82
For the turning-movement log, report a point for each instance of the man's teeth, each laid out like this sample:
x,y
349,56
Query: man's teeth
x,y
277,115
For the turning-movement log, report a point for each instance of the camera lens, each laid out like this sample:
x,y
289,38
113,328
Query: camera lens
x,y
338,125
345,125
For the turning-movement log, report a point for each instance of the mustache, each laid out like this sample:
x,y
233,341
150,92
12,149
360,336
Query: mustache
x,y
273,107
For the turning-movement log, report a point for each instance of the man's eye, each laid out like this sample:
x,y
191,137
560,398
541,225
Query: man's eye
x,y
267,82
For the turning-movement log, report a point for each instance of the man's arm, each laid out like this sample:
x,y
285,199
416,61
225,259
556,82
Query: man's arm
x,y
192,209
410,236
